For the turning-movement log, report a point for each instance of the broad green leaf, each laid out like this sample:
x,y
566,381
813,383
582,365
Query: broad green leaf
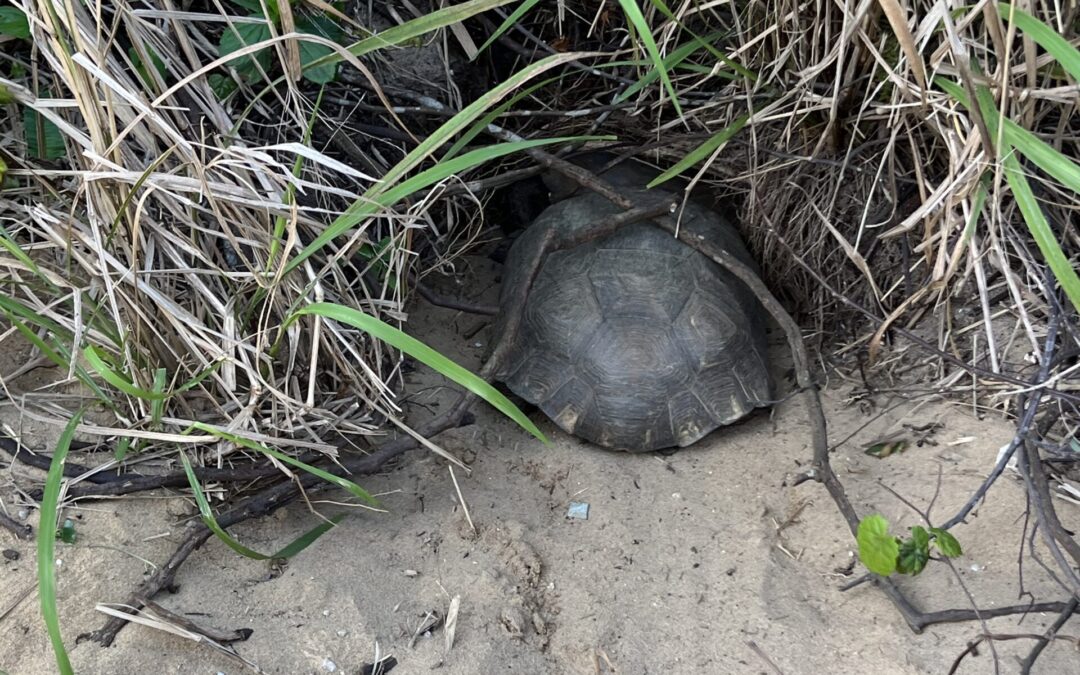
x,y
702,151
311,52
1048,38
886,448
140,67
634,15
877,549
13,23
525,6
912,558
46,544
43,138
240,35
946,543
67,532
425,354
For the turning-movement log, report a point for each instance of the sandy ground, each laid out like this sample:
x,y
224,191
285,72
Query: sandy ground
x,y
705,561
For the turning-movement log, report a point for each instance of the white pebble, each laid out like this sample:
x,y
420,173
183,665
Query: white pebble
x,y
329,666
326,612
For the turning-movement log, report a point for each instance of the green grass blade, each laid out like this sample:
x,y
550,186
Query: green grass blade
x,y
60,357
1040,230
1064,53
46,545
702,151
291,549
117,380
706,43
369,206
671,61
342,483
413,29
1046,158
1041,153
634,15
481,124
525,6
423,353
157,406
309,537
208,514
16,251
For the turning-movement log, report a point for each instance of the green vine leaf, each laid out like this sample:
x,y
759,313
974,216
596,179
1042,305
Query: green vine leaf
x,y
946,543
877,550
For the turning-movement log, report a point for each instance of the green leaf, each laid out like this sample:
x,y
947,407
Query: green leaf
x,y
525,6
914,553
43,138
877,550
702,151
46,544
140,67
1048,38
886,448
311,52
706,43
946,543
123,446
13,23
480,126
238,36
420,351
633,13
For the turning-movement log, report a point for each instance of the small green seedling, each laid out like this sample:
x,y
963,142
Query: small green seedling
x,y
67,531
884,554
240,35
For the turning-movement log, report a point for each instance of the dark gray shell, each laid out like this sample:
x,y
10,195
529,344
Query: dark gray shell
x,y
635,341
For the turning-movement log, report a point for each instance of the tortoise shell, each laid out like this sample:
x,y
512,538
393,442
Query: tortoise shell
x,y
635,341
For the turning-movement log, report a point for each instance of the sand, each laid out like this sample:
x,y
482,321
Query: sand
x,y
704,561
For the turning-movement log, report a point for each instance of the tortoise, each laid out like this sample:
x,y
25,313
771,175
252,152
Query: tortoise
x,y
634,341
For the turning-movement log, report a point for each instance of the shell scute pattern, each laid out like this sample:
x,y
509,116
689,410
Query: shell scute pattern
x,y
636,341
